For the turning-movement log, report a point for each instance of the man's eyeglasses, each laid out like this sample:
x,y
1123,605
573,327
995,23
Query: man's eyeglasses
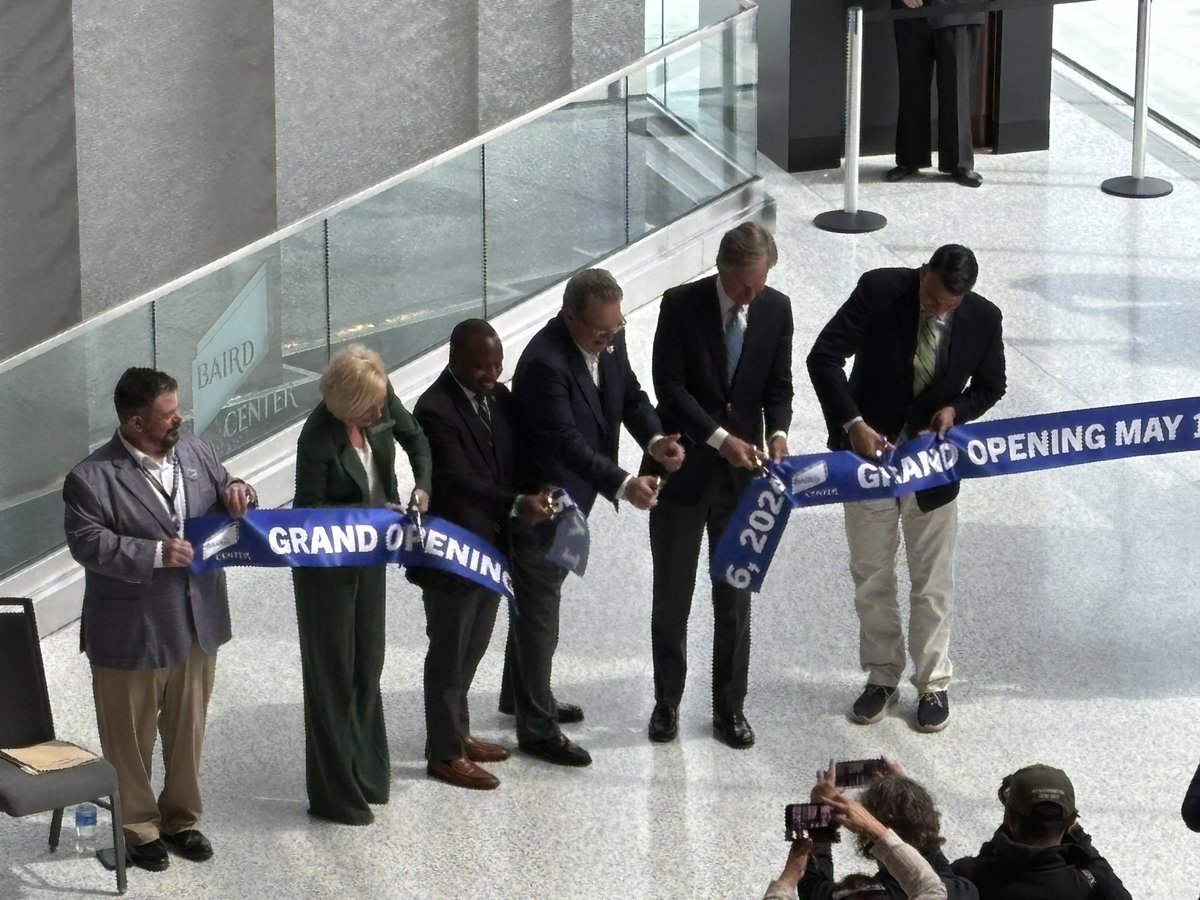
x,y
605,334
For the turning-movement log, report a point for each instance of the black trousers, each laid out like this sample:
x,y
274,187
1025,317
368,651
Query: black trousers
x,y
675,534
953,51
532,635
459,618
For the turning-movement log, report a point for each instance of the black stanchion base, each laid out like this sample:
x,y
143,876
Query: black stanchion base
x,y
1141,188
849,222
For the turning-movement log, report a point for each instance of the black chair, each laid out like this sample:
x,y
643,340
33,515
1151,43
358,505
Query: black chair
x,y
25,719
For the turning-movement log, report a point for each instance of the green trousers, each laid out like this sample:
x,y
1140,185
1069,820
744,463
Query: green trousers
x,y
340,614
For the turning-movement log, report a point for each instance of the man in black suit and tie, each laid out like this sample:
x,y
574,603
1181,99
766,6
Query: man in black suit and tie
x,y
928,354
722,369
469,420
949,41
574,389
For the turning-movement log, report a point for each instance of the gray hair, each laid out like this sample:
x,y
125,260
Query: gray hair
x,y
747,245
588,287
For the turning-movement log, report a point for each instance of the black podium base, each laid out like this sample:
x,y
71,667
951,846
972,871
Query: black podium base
x,y
1140,188
849,222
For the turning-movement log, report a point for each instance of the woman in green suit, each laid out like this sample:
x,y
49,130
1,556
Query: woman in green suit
x,y
346,457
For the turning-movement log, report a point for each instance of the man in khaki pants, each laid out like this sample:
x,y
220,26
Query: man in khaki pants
x,y
149,627
928,353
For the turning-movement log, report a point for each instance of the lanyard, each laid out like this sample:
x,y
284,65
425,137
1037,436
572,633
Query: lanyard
x,y
168,497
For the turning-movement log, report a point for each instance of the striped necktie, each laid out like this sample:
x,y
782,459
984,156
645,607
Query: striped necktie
x,y
925,359
481,407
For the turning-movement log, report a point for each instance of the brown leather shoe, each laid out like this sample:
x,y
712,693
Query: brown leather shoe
x,y
483,751
462,772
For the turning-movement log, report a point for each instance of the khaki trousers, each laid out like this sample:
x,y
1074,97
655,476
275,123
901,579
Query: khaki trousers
x,y
131,706
873,530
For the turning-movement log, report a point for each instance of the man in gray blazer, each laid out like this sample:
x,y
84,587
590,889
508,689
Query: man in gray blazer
x,y
149,627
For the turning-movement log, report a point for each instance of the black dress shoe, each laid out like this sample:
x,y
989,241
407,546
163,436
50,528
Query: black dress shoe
x,y
561,751
190,844
568,713
152,856
899,173
968,177
734,730
664,723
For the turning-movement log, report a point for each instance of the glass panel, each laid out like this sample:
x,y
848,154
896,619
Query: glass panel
x,y
58,407
1101,36
555,196
406,265
654,24
247,343
702,141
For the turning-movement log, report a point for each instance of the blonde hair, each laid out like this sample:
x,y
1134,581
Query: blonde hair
x,y
352,381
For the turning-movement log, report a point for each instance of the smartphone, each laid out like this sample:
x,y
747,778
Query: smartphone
x,y
858,772
812,819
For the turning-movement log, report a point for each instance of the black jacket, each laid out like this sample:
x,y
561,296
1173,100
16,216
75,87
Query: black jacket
x,y
1191,803
689,379
818,880
877,326
569,428
1006,870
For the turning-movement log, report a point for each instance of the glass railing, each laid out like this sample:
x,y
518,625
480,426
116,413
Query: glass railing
x,y
471,234
1101,38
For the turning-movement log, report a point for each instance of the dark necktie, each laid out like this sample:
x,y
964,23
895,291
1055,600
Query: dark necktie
x,y
481,407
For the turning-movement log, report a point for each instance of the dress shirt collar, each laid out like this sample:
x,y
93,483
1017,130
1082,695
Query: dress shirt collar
x,y
727,304
148,462
467,392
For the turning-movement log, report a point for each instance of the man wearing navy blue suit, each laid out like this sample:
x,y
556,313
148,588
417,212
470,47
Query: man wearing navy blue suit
x,y
723,376
573,390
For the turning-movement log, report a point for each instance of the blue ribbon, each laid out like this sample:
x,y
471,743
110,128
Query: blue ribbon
x,y
979,450
572,539
355,536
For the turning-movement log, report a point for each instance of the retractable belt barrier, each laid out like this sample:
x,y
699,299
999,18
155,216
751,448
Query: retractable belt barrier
x,y
978,450
357,536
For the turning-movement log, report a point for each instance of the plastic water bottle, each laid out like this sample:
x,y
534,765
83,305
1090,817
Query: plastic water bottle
x,y
85,829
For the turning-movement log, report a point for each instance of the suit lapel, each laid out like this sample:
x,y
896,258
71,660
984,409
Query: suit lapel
x,y
134,479
502,438
190,476
475,427
583,378
349,457
960,326
714,332
614,382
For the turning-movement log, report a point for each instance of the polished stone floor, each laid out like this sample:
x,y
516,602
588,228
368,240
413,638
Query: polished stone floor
x,y
1074,640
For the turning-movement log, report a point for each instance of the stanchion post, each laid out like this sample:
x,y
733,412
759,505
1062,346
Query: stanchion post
x,y
850,219
1137,184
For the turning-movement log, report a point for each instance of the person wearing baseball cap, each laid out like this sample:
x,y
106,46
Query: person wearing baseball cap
x,y
1040,850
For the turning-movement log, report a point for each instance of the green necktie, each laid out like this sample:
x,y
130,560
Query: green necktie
x,y
925,359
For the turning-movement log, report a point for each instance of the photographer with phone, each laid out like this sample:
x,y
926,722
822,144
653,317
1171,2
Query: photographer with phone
x,y
897,824
1040,850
